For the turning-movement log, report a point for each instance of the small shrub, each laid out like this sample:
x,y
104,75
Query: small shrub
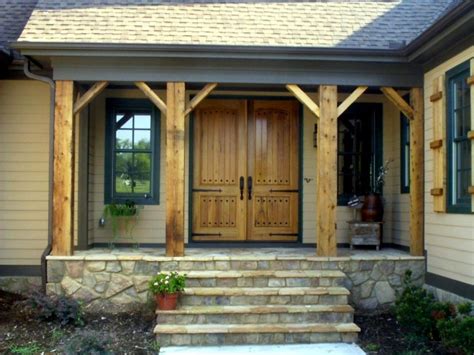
x,y
87,342
465,308
29,349
372,347
167,283
155,346
413,308
56,308
458,332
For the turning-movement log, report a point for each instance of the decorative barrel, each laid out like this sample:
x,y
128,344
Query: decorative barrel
x,y
372,209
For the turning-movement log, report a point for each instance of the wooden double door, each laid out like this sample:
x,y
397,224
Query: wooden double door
x,y
245,170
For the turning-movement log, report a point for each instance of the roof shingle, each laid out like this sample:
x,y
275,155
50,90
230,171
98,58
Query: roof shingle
x,y
373,24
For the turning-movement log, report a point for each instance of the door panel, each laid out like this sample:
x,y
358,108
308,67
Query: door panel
x,y
220,131
273,167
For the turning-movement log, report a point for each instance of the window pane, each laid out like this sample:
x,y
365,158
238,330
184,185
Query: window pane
x,y
142,139
143,121
458,94
142,174
123,139
123,172
124,120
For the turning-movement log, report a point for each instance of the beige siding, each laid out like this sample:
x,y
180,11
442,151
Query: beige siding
x,y
151,228
24,151
449,238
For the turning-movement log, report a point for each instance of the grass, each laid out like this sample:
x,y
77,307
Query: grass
x,y
28,349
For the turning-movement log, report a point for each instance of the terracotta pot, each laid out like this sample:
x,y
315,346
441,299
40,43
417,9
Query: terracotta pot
x,y
372,209
167,301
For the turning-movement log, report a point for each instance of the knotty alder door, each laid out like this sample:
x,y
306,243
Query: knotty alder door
x,y
245,171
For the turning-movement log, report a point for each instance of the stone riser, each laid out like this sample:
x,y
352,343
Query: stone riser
x,y
249,318
188,300
253,338
265,282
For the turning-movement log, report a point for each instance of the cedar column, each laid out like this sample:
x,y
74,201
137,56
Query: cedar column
x,y
175,97
326,173
416,173
63,162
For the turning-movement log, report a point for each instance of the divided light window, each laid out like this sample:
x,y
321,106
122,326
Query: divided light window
x,y
459,145
132,152
404,154
359,150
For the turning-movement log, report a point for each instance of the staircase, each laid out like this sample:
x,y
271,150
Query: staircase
x,y
259,302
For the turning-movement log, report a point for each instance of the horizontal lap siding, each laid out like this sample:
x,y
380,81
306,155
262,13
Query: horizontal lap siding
x,y
24,147
449,238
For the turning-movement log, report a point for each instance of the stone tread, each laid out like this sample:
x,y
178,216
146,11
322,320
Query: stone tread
x,y
191,310
256,328
265,273
265,291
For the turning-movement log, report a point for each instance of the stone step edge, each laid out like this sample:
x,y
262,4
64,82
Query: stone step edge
x,y
256,328
264,273
265,309
265,291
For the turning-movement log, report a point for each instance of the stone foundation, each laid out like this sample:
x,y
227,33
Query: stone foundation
x,y
20,284
122,279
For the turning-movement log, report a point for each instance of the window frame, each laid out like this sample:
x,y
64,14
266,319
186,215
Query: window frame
x,y
377,141
461,70
112,106
404,157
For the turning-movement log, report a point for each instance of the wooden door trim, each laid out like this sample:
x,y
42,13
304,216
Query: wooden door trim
x,y
225,243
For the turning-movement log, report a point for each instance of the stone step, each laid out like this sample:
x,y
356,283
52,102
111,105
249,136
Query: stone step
x,y
263,296
218,334
257,314
265,278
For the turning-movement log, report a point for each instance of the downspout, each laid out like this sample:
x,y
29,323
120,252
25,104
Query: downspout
x,y
47,250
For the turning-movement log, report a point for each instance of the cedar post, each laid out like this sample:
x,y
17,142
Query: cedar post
x,y
175,120
326,173
416,173
63,162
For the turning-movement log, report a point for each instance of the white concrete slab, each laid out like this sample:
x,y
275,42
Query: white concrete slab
x,y
297,349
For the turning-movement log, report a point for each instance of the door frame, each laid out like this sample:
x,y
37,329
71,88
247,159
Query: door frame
x,y
256,243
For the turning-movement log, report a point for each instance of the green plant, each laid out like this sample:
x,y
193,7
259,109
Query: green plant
x,y
372,347
57,335
155,346
56,308
28,349
167,283
123,218
413,308
458,332
87,342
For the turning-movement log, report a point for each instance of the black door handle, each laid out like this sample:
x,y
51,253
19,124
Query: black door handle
x,y
242,182
249,186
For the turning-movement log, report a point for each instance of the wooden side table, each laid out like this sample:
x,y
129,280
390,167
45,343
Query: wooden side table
x,y
365,233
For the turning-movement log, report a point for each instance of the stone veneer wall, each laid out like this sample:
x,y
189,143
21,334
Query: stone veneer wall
x,y
122,281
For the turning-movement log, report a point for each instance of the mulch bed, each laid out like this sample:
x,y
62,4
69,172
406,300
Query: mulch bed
x,y
130,333
381,334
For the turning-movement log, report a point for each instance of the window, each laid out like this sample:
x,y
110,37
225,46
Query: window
x,y
404,154
359,149
458,125
132,152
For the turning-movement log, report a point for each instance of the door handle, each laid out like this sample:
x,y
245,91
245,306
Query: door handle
x,y
242,183
249,186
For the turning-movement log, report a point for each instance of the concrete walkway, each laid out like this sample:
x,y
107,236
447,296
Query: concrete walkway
x,y
303,349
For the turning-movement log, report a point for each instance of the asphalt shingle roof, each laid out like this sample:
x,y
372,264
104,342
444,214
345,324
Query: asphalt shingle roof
x,y
373,24
13,16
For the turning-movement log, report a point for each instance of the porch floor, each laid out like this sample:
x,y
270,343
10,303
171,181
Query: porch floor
x,y
242,253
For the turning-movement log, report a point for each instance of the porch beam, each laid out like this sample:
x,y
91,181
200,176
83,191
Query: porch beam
x,y
90,95
416,173
148,92
350,100
398,101
201,95
302,97
326,172
175,128
63,163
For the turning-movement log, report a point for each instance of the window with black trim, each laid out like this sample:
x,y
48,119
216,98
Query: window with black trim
x,y
132,152
404,154
359,149
458,104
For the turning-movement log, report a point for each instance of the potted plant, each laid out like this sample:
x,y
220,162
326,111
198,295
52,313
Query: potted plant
x,y
167,287
372,209
123,217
